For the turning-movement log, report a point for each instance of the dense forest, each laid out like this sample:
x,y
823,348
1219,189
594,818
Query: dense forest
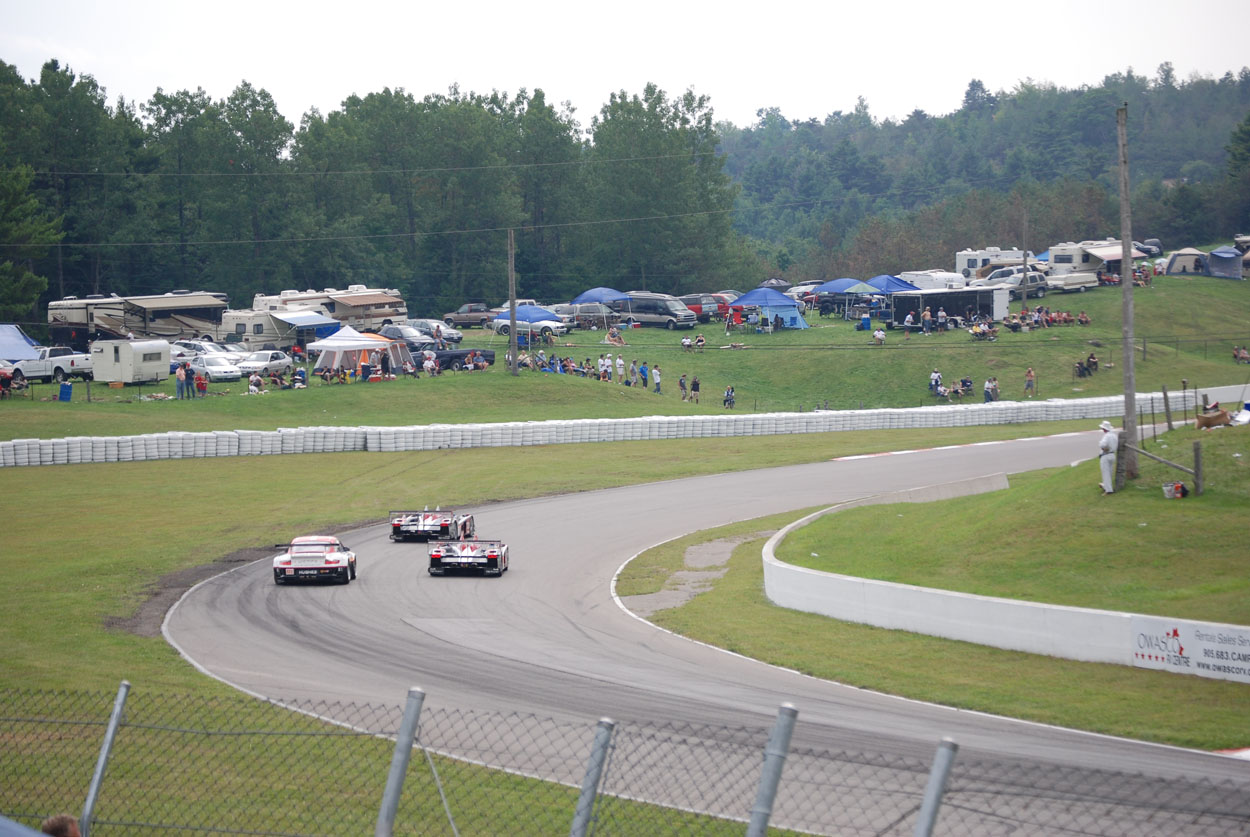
x,y
418,194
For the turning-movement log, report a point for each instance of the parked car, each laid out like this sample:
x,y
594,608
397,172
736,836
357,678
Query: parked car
x,y
469,314
208,347
1152,247
215,368
1031,284
266,362
413,337
312,557
450,333
587,314
707,307
647,308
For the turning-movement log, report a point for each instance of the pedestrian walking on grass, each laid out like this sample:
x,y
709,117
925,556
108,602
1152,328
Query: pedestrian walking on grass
x,y
681,386
655,375
1029,378
694,389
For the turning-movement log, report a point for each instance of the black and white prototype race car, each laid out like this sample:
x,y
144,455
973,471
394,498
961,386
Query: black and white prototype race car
x,y
312,557
425,525
485,557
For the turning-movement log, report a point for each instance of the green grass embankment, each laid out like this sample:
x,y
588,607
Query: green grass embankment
x,y
1051,537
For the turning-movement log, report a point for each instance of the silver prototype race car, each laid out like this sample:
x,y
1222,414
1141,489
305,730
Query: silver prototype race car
x,y
485,557
424,525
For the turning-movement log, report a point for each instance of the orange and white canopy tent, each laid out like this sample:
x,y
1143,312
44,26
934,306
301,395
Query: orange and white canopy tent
x,y
343,349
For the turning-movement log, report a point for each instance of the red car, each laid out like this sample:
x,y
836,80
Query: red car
x,y
707,307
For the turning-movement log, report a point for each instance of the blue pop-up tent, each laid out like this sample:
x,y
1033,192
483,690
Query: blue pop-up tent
x,y
772,304
604,295
529,314
15,345
1224,262
887,284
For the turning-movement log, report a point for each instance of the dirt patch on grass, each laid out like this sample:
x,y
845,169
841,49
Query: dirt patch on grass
x,y
707,562
166,590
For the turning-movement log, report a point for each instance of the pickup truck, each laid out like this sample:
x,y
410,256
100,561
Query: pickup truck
x,y
448,358
54,363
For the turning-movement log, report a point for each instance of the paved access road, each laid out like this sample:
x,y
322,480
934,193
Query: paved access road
x,y
548,639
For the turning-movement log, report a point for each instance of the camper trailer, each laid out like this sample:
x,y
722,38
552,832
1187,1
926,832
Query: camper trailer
x,y
358,306
932,280
971,264
130,361
173,316
1087,256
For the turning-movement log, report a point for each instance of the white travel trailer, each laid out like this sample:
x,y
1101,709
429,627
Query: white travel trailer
x,y
970,263
932,280
130,361
253,330
358,306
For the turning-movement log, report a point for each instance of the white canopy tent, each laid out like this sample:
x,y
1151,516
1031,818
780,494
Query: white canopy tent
x,y
343,349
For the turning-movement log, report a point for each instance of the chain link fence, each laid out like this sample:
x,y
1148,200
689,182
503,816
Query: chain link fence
x,y
234,765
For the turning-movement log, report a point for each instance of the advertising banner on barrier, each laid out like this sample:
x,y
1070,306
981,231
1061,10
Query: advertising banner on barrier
x,y
1205,649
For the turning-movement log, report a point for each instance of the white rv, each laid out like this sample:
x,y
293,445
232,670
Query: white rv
x,y
1087,256
178,314
130,361
932,280
972,264
358,306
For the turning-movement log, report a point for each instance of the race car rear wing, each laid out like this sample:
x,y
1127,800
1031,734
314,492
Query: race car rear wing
x,y
394,514
475,544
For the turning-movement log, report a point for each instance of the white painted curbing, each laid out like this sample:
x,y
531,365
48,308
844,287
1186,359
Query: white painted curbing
x,y
1069,632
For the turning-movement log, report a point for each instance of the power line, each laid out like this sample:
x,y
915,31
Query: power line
x,y
370,172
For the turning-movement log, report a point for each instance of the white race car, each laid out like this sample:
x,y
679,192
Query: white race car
x,y
312,557
440,523
486,557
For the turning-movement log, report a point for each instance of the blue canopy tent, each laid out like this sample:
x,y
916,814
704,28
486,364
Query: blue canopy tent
x,y
15,345
1224,262
604,295
836,286
772,304
314,321
887,284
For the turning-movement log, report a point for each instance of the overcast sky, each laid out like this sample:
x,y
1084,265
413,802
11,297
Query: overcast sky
x,y
808,59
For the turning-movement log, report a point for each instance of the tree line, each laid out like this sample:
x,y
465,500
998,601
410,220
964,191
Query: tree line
x,y
850,195
417,194
182,191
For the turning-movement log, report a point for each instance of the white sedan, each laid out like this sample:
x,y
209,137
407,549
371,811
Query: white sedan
x,y
215,368
266,362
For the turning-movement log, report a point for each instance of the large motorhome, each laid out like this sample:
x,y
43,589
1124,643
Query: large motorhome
x,y
976,264
358,306
254,330
1088,256
178,314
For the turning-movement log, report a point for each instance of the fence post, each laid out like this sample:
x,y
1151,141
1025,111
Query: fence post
x,y
1198,475
942,761
590,782
106,748
770,776
399,763
1167,408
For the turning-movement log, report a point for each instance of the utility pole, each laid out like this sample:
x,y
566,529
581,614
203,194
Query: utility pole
x,y
512,343
1128,468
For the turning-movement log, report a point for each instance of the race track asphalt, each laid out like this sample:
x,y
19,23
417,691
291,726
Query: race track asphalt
x,y
548,639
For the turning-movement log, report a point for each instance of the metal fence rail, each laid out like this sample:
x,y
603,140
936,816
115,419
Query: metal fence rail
x,y
236,765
